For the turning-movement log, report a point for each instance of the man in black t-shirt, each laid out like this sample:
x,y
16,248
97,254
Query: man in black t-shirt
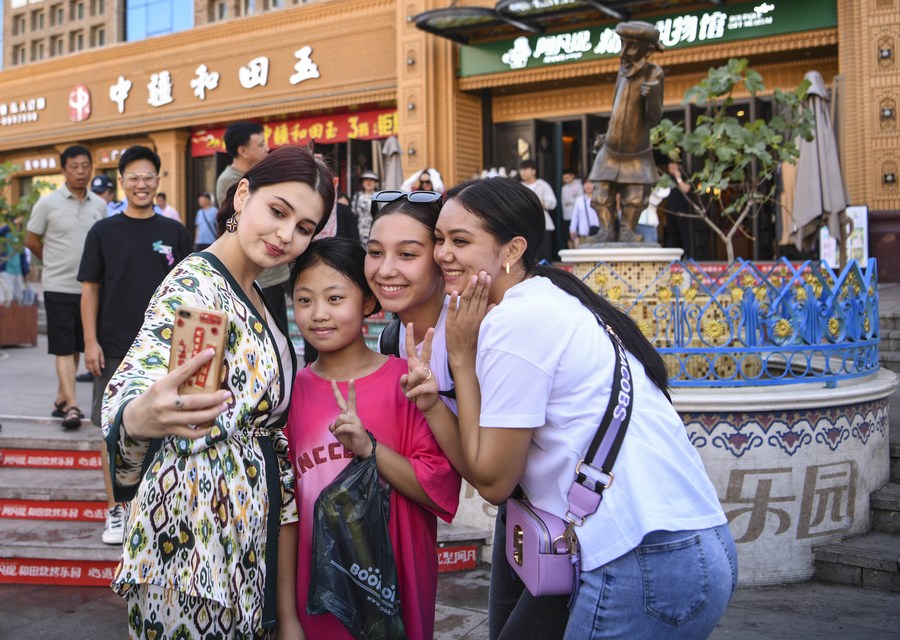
x,y
125,259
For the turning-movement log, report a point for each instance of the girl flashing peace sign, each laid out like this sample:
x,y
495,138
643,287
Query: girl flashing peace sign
x,y
346,392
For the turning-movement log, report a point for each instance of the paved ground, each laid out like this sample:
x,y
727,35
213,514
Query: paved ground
x,y
791,612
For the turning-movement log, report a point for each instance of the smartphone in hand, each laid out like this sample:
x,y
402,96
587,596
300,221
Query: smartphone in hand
x,y
194,331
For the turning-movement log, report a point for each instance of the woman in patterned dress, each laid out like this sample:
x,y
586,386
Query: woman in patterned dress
x,y
207,502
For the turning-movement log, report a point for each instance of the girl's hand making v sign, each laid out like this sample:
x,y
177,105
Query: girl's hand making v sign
x,y
348,428
419,384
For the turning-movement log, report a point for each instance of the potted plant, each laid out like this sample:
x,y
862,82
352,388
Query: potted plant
x,y
738,160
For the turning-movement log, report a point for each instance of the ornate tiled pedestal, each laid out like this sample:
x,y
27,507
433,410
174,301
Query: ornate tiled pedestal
x,y
793,465
774,369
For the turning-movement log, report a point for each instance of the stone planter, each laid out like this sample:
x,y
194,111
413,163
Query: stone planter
x,y
793,465
18,325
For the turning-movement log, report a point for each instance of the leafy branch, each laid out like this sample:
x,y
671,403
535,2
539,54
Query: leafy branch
x,y
739,159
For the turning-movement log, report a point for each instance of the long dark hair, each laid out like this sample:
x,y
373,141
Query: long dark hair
x,y
341,254
509,209
285,164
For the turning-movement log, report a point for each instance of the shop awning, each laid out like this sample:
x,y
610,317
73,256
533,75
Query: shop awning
x,y
511,17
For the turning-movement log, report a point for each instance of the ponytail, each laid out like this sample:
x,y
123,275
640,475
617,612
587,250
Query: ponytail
x,y
634,341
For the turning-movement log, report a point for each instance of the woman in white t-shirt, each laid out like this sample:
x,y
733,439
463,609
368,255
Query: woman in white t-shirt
x,y
657,558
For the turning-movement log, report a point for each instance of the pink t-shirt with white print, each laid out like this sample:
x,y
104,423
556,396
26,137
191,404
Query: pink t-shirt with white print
x,y
318,458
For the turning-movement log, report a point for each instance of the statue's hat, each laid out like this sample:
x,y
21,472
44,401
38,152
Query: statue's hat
x,y
638,30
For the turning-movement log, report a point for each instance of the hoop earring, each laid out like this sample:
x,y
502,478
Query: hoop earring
x,y
507,267
231,224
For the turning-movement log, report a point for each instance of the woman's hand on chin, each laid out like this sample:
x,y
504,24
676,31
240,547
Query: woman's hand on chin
x,y
467,310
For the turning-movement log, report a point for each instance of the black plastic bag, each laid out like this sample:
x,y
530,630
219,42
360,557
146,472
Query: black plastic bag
x,y
354,575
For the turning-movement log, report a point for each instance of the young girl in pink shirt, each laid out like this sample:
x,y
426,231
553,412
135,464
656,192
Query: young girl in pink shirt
x,y
347,391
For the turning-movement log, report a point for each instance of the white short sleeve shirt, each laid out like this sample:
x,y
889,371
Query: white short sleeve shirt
x,y
544,363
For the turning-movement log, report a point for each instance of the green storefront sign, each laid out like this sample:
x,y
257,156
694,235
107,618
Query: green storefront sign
x,y
726,23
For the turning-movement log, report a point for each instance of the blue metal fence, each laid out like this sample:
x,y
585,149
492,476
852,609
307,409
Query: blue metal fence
x,y
753,325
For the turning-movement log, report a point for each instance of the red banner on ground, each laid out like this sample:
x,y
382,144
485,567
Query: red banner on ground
x,y
50,459
329,129
68,573
457,558
53,510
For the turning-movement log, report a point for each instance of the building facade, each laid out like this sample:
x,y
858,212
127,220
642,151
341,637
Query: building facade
x,y
350,73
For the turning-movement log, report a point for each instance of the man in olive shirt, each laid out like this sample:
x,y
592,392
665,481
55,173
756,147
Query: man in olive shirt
x,y
56,231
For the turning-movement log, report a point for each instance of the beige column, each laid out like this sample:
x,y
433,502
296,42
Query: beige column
x,y
439,125
172,149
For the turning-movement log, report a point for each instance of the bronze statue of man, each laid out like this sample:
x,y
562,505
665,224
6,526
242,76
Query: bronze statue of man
x,y
624,163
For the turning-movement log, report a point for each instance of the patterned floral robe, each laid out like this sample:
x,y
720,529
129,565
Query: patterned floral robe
x,y
199,510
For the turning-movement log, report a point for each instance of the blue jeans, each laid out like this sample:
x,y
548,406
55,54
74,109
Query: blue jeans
x,y
648,233
673,585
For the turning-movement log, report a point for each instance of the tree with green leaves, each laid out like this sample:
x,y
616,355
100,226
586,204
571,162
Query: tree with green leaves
x,y
739,160
14,215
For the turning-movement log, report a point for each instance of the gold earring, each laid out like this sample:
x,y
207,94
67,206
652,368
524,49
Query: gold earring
x,y
507,267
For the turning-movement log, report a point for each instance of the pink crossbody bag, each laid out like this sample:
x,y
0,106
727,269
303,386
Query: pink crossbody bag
x,y
543,548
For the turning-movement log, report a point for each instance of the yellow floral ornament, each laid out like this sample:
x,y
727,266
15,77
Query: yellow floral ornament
x,y
614,293
676,280
737,294
760,293
800,294
714,329
690,293
747,280
834,327
783,328
664,293
867,326
647,330
600,278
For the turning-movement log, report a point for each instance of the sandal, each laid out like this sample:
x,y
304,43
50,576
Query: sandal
x,y
72,419
59,410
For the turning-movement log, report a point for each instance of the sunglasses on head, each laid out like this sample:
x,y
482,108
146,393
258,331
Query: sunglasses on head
x,y
384,197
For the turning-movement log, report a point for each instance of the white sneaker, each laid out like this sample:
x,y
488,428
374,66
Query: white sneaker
x,y
114,531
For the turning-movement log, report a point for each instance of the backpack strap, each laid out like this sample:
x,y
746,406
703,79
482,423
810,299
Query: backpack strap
x,y
389,343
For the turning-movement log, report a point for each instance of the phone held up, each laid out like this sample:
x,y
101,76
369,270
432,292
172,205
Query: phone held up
x,y
196,330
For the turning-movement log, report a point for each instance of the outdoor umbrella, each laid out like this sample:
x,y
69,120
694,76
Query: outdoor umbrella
x,y
392,177
820,187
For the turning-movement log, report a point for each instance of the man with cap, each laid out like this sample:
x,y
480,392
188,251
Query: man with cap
x,y
362,204
624,165
104,187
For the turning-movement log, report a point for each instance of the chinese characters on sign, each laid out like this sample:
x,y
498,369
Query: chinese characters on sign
x,y
726,23
48,162
21,111
159,89
759,499
363,125
205,81
118,93
305,68
254,74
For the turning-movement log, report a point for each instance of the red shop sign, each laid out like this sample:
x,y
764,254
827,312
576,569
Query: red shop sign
x,y
362,125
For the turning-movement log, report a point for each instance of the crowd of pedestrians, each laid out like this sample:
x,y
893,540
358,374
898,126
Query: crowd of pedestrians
x,y
497,368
